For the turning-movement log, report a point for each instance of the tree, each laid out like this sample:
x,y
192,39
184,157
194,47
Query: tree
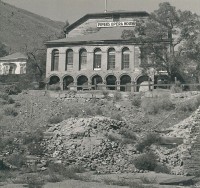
x,y
3,50
62,33
164,37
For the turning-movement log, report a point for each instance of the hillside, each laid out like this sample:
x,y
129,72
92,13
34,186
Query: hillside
x,y
20,28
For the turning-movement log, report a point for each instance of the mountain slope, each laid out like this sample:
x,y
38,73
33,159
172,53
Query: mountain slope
x,y
20,28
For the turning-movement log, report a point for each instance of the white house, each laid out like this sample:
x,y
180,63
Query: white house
x,y
13,64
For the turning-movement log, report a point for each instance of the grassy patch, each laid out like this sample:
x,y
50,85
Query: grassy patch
x,y
154,105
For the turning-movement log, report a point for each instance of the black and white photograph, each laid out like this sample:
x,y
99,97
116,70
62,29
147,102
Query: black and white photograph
x,y
100,93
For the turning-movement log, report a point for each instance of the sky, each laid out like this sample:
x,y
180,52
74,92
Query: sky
x,y
72,10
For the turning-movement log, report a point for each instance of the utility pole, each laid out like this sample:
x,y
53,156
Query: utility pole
x,y
105,6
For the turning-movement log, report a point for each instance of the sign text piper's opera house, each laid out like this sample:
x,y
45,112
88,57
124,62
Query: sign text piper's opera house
x,y
115,24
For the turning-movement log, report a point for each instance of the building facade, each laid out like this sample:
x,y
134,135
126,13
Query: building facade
x,y
13,64
94,54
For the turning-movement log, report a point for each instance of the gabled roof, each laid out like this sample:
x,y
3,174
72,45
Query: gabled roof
x,y
105,34
103,15
14,56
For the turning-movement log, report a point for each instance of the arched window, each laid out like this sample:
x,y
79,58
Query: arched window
x,y
55,60
69,60
97,59
125,58
111,58
82,59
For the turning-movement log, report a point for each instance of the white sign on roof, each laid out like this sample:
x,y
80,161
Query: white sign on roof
x,y
115,24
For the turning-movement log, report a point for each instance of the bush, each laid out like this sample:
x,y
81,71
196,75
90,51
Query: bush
x,y
176,88
35,181
116,116
12,90
136,101
17,160
117,96
33,137
11,100
10,112
146,180
54,87
55,119
17,104
99,111
67,172
89,112
162,168
36,149
150,139
154,105
189,105
146,161
105,94
129,137
4,96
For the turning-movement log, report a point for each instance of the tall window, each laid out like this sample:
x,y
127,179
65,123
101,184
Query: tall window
x,y
69,60
22,68
97,59
125,58
55,60
111,58
82,59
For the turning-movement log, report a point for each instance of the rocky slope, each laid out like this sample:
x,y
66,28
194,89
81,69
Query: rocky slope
x,y
20,28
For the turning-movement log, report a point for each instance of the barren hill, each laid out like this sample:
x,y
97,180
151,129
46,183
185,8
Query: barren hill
x,y
20,28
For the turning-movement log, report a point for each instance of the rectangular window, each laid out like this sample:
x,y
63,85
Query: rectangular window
x,y
125,61
97,61
111,61
69,60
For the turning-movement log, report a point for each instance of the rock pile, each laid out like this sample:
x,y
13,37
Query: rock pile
x,y
183,158
92,143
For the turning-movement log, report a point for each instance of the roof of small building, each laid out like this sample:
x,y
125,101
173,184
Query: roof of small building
x,y
14,56
104,34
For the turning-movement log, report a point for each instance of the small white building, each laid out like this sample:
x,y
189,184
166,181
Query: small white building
x,y
13,64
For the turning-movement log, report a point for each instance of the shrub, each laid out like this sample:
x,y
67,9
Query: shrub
x,y
117,96
54,87
17,104
36,149
116,116
154,105
150,139
146,180
99,111
136,101
12,90
113,138
10,112
105,94
89,112
67,172
33,137
16,159
162,168
129,137
55,119
189,105
4,96
11,100
146,161
34,181
176,88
